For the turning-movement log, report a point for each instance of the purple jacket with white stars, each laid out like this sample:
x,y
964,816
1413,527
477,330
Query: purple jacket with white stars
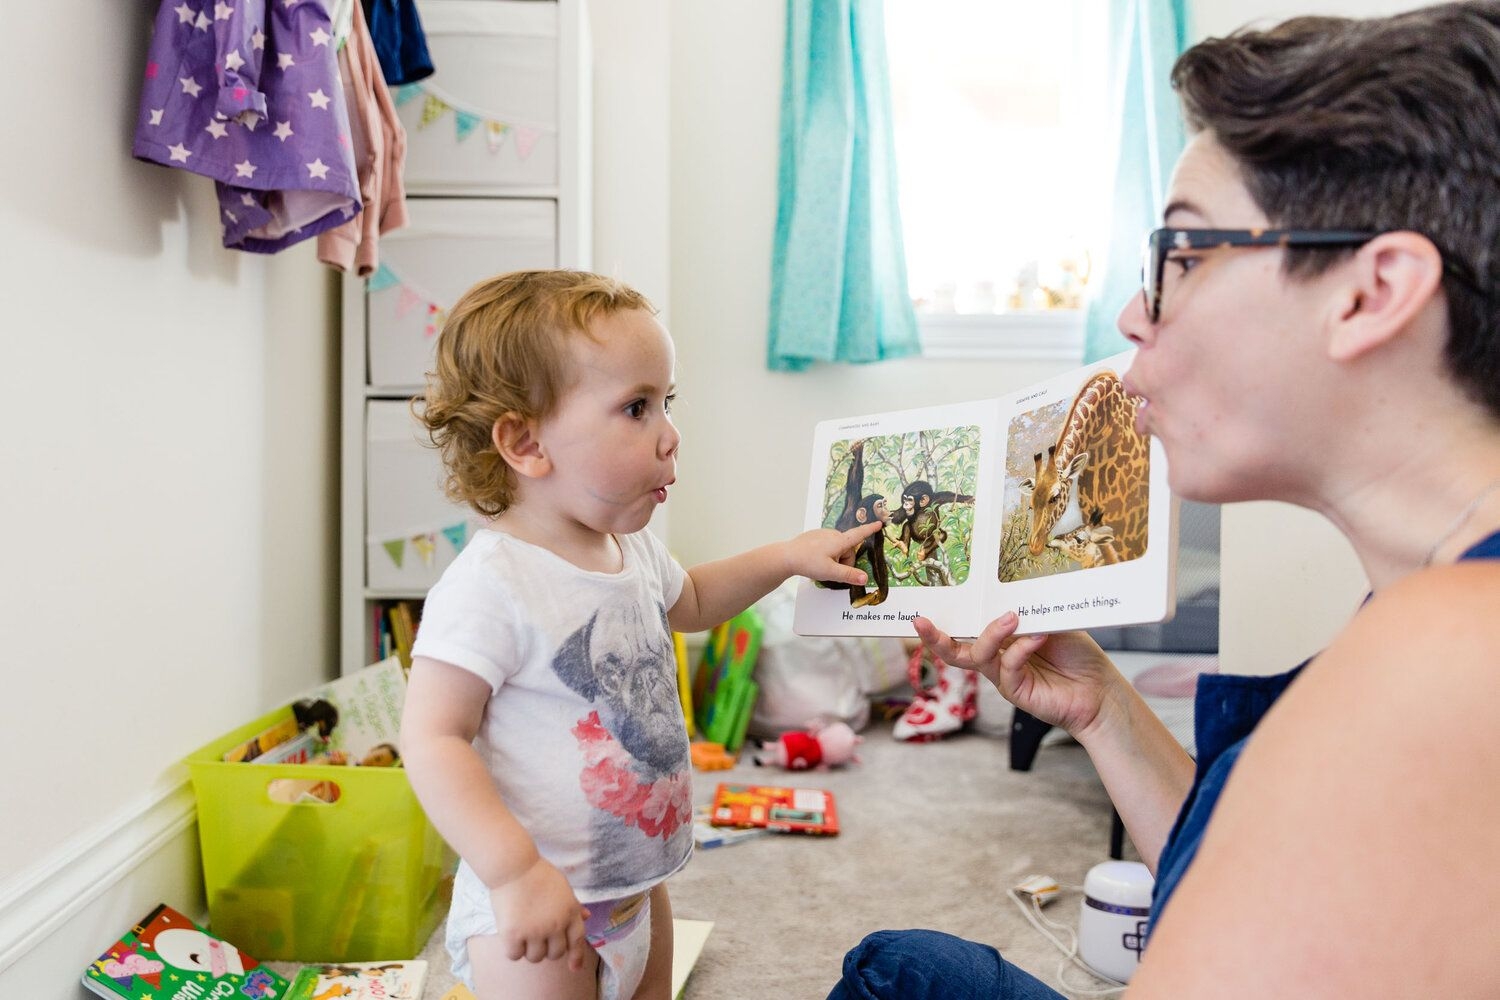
x,y
247,92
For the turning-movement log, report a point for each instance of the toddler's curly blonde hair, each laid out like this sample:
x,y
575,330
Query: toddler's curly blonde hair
x,y
503,350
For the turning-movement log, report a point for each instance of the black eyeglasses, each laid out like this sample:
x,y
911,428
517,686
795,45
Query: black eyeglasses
x,y
1161,242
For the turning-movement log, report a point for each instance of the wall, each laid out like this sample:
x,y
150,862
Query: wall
x,y
169,483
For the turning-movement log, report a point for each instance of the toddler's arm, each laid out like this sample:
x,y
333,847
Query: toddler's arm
x,y
715,592
536,912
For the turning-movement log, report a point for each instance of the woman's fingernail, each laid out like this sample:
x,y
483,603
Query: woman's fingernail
x,y
1009,618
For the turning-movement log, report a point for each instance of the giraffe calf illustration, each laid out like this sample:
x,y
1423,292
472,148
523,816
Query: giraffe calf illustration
x,y
1088,546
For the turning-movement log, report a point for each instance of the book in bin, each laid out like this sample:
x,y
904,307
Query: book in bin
x,y
168,957
360,981
1047,501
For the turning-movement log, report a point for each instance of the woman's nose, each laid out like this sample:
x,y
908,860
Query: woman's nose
x,y
1133,321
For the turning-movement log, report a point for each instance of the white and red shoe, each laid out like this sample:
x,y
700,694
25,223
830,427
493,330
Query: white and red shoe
x,y
947,699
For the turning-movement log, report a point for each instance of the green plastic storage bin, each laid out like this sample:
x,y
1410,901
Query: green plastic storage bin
x,y
364,878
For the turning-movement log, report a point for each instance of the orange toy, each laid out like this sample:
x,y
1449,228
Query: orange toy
x,y
711,756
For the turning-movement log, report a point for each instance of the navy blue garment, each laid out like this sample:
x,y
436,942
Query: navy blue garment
x,y
931,965
926,965
400,43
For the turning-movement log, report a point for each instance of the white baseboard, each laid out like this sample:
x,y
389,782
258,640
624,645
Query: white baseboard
x,y
93,871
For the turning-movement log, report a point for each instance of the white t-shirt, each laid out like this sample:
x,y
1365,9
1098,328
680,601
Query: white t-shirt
x,y
583,734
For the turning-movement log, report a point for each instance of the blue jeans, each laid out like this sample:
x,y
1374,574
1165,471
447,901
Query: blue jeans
x,y
930,965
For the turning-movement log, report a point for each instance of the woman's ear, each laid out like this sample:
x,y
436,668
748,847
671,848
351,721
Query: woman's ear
x,y
515,439
1396,277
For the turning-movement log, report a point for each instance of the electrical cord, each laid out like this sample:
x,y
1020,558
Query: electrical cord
x,y
1031,908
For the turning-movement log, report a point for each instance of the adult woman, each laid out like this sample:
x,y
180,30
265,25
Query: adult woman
x,y
1316,327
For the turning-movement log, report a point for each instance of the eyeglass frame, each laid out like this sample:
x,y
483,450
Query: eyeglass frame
x,y
1154,249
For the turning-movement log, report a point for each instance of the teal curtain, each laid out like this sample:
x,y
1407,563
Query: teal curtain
x,y
1147,37
838,269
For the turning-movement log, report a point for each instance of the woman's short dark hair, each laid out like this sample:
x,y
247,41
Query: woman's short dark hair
x,y
1388,123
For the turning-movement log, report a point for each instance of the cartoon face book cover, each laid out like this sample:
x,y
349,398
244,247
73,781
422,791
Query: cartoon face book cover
x,y
168,957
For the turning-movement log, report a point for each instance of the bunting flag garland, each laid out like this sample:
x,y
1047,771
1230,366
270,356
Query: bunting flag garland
x,y
425,542
467,120
408,297
457,535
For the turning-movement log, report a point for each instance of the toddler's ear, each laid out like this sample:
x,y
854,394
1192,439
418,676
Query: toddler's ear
x,y
515,439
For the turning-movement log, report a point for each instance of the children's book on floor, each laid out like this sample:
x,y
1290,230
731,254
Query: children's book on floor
x,y
360,981
706,836
776,808
168,957
1047,501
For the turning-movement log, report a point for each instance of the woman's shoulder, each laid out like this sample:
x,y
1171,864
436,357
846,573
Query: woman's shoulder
x,y
1441,625
1373,778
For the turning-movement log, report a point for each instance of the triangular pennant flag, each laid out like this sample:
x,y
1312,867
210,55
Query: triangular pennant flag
x,y
431,111
406,93
405,299
465,123
396,549
439,317
426,545
526,140
382,279
457,535
494,134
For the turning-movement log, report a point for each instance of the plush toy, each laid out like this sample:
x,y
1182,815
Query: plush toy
x,y
822,747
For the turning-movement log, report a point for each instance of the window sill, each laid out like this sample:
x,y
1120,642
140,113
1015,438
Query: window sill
x,y
1036,335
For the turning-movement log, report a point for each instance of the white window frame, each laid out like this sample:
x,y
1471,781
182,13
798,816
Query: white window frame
x,y
1018,335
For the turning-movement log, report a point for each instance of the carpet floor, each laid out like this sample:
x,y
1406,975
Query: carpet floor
x,y
933,835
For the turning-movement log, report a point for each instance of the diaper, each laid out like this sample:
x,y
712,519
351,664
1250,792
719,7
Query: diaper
x,y
618,929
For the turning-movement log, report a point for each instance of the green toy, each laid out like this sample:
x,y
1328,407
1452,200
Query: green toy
x,y
723,690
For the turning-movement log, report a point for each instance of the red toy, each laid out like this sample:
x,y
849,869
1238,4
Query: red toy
x,y
824,747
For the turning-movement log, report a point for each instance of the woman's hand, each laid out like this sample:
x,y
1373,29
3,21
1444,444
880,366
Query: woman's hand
x,y
1063,678
538,917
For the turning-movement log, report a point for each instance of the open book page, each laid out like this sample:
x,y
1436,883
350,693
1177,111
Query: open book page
x,y
1046,501
1088,522
931,560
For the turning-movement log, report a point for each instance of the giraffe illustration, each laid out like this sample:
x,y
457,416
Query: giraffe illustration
x,y
1088,546
1097,475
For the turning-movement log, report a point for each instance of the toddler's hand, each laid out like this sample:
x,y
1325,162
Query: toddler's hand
x,y
538,917
827,554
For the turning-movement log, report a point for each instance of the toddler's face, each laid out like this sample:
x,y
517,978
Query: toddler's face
x,y
611,439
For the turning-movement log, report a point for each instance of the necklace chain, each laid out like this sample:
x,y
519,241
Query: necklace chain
x,y
1460,520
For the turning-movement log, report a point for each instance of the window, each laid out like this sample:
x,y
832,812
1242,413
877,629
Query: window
x,y
1002,138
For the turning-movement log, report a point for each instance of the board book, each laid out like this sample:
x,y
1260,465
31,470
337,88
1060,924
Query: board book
x,y
776,808
1047,501
168,957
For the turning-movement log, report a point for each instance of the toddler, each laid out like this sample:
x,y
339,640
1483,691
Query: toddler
x,y
542,730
